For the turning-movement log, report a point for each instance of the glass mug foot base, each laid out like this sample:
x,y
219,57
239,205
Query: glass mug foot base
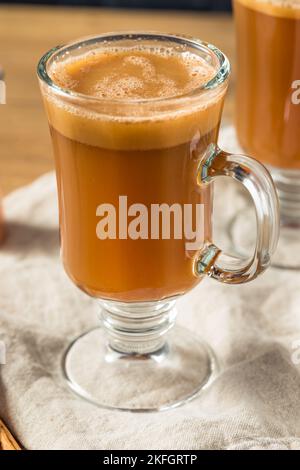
x,y
166,378
287,254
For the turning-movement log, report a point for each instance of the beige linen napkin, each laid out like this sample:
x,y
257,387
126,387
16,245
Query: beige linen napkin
x,y
254,329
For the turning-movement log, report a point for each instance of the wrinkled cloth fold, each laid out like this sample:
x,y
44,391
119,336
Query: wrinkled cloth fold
x,y
254,330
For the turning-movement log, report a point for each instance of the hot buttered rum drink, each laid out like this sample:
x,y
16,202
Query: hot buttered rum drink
x,y
268,42
128,145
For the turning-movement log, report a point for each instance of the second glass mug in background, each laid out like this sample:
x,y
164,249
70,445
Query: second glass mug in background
x,y
155,151
268,108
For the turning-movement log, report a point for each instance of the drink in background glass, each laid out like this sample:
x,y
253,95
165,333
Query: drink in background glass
x,y
134,120
268,104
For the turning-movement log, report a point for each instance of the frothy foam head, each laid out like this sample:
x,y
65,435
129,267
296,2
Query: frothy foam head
x,y
283,8
135,74
132,78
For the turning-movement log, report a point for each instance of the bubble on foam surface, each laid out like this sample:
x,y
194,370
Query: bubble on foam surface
x,y
132,87
117,87
61,78
145,65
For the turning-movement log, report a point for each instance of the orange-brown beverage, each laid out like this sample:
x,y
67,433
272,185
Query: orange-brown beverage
x,y
134,120
145,157
268,43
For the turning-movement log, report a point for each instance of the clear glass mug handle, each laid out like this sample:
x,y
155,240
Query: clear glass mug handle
x,y
257,180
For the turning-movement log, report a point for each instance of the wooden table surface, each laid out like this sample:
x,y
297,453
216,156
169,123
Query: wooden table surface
x,y
27,32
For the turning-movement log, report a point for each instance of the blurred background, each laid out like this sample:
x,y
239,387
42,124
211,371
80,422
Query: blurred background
x,y
205,5
29,28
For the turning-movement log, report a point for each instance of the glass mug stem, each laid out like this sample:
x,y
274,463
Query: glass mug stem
x,y
137,328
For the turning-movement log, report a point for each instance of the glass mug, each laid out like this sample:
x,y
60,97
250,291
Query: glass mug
x,y
132,157
268,106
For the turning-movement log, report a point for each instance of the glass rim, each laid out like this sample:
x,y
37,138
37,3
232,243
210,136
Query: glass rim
x,y
222,72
